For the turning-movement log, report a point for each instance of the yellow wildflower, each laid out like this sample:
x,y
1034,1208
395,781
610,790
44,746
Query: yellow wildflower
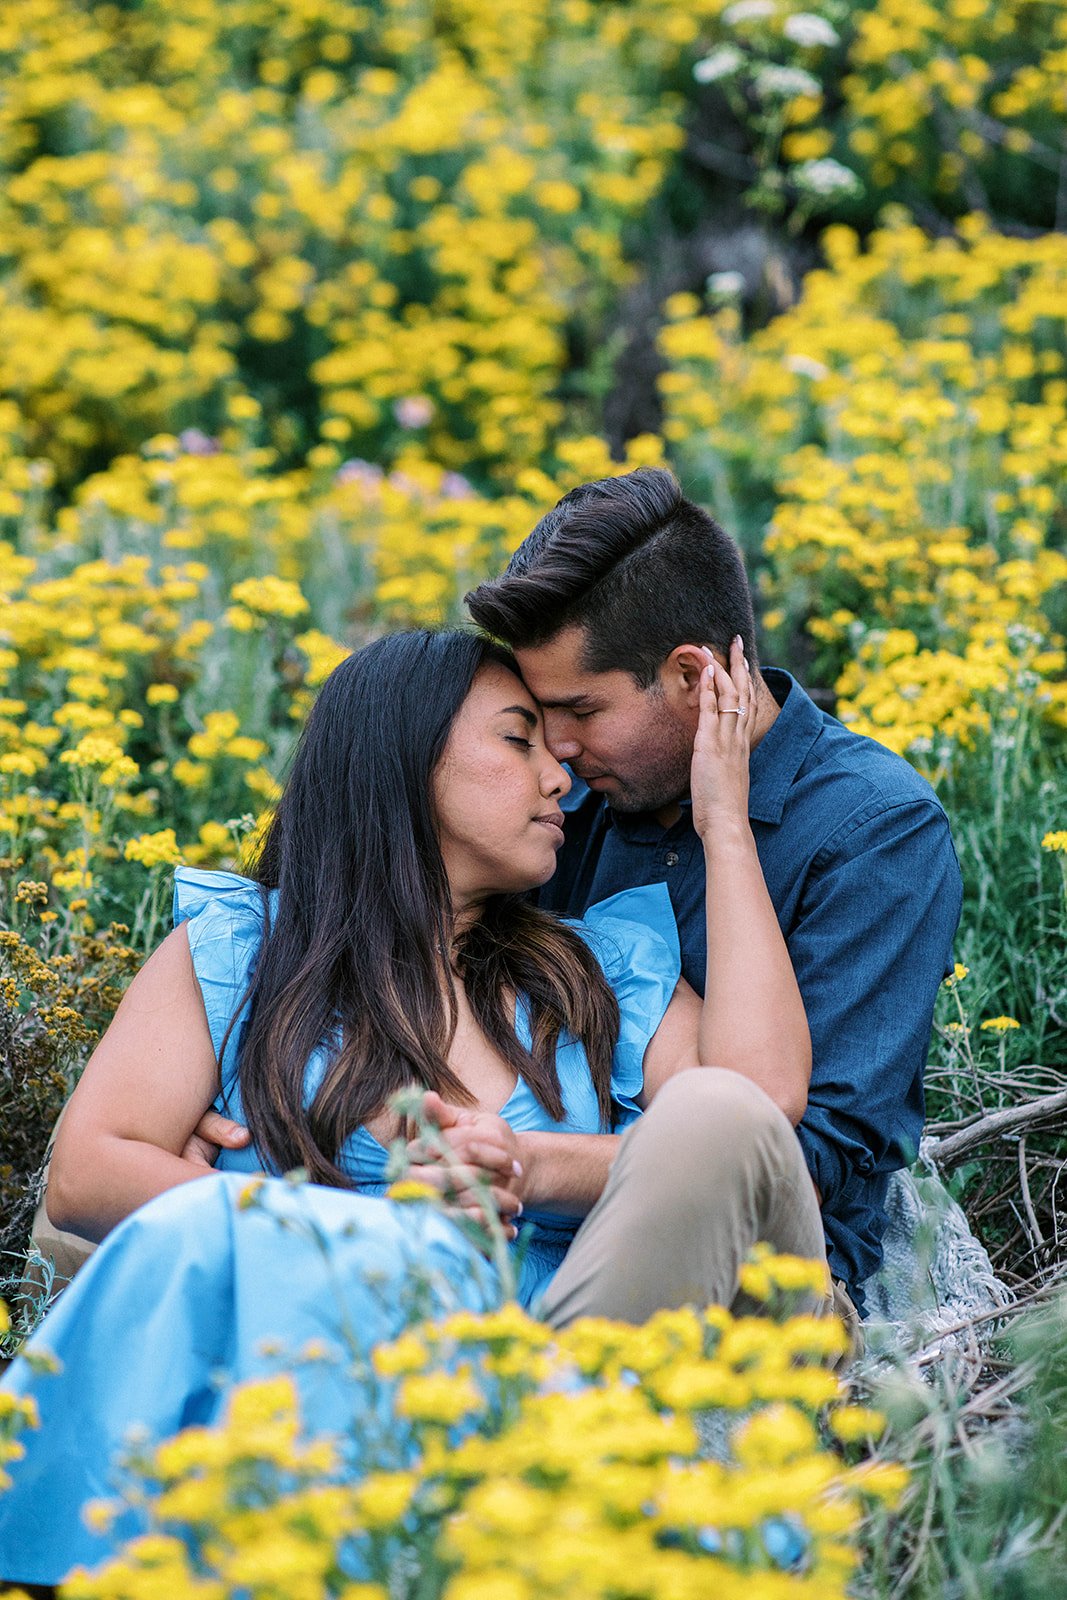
x,y
154,849
439,1397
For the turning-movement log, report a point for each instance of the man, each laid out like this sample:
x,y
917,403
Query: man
x,y
602,603
609,605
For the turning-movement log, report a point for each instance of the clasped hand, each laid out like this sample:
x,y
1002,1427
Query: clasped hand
x,y
483,1150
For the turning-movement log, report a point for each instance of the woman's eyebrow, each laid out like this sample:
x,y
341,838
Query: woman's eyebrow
x,y
527,715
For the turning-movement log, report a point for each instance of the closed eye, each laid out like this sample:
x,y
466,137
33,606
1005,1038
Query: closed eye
x,y
513,738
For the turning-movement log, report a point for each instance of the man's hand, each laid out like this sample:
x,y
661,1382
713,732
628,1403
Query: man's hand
x,y
211,1134
484,1149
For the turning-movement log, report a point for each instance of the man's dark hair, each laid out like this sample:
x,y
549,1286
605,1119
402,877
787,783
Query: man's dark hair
x,y
632,562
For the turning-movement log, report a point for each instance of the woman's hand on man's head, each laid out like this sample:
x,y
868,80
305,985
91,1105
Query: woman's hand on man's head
x,y
719,774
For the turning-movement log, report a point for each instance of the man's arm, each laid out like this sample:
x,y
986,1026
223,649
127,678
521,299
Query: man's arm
x,y
562,1172
566,1172
871,945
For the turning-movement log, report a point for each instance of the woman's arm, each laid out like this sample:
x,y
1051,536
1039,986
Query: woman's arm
x,y
752,1018
148,1082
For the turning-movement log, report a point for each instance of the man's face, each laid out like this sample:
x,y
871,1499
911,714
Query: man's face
x,y
634,746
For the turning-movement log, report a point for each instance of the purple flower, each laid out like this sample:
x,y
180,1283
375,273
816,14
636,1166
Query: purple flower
x,y
365,473
454,486
196,443
413,411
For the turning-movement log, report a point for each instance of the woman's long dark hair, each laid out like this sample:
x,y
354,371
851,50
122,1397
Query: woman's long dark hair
x,y
353,953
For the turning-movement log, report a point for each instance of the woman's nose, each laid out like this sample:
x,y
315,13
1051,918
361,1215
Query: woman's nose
x,y
554,779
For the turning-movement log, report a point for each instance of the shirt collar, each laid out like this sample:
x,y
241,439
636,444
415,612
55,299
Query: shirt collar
x,y
780,754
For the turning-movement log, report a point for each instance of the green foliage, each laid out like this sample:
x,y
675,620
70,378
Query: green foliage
x,y
983,1515
58,991
833,110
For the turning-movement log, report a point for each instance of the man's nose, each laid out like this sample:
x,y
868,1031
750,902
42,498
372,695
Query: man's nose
x,y
561,739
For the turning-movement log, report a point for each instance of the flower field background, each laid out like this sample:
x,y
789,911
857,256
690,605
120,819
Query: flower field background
x,y
309,309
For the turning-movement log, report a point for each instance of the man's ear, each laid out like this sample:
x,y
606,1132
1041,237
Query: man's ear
x,y
681,672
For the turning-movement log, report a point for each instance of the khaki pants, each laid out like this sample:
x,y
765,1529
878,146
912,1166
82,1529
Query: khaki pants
x,y
711,1169
69,1251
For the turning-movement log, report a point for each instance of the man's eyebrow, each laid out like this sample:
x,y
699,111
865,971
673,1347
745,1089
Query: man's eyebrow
x,y
569,702
528,716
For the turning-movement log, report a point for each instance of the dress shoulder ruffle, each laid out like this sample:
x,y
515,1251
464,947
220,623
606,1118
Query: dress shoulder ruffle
x,y
226,916
634,936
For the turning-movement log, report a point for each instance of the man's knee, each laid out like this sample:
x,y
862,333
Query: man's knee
x,y
712,1102
708,1127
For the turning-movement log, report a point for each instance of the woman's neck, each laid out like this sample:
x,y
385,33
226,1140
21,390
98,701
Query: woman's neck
x,y
467,909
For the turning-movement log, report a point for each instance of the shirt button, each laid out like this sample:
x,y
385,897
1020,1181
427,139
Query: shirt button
x,y
671,858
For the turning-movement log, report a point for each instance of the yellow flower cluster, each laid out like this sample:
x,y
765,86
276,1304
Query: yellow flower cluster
x,y
408,213
113,666
909,415
953,105
154,849
15,1416
94,660
946,94
536,1465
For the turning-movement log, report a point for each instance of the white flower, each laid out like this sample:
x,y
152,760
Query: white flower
x,y
748,11
806,366
725,285
826,177
720,64
810,32
785,83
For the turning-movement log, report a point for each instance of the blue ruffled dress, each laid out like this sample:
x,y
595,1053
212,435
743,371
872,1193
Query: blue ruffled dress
x,y
195,1292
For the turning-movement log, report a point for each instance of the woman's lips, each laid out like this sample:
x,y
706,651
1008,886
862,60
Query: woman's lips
x,y
554,822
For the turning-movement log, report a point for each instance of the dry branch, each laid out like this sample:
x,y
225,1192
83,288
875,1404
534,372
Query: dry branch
x,y
951,1150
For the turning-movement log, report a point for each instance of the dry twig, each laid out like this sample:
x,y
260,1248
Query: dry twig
x,y
949,1151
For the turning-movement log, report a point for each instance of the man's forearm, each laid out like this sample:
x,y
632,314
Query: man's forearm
x,y
566,1172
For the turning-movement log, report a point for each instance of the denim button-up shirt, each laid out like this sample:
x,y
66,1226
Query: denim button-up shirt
x,y
860,866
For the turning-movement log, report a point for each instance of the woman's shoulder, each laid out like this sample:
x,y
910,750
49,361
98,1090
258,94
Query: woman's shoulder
x,y
634,936
198,890
635,928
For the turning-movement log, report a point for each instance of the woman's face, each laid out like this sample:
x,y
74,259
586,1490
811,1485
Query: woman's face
x,y
497,792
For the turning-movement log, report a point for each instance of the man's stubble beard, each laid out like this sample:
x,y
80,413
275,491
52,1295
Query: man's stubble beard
x,y
663,781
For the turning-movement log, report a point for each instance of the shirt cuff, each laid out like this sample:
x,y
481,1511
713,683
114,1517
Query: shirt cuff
x,y
825,1162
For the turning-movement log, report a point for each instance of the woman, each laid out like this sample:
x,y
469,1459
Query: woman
x,y
386,941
